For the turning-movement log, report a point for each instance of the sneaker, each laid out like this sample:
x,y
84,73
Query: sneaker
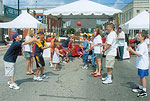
x,y
37,78
50,64
142,94
86,67
14,86
107,81
44,77
9,82
136,90
64,62
104,78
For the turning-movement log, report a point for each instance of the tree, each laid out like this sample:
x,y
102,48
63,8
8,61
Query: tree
x,y
70,30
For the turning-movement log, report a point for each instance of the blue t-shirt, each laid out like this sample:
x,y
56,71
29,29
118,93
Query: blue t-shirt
x,y
85,47
65,43
13,52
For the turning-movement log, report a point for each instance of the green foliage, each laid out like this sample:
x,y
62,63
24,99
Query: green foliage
x,y
70,30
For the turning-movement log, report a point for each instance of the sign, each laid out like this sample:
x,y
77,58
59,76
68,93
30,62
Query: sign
x,y
11,12
40,17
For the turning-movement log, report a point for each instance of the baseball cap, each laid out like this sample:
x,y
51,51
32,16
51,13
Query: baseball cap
x,y
15,35
85,36
119,28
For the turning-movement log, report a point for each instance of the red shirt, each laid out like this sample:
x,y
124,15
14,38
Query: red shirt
x,y
70,45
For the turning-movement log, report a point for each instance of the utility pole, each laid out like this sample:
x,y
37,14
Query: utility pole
x,y
18,7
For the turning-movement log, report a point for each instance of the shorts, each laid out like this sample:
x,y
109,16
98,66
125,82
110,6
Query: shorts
x,y
28,54
97,55
85,58
142,73
110,61
39,61
9,68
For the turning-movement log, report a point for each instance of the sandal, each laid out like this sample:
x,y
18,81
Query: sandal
x,y
28,73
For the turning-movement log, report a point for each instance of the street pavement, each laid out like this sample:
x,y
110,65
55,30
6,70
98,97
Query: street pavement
x,y
72,83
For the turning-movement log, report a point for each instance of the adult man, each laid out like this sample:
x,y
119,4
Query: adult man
x,y
110,51
121,40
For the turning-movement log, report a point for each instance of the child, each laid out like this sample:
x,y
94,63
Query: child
x,y
56,54
80,52
65,53
85,54
51,51
38,54
10,58
142,63
70,48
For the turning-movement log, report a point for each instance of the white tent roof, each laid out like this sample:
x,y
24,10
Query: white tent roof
x,y
141,21
81,8
24,20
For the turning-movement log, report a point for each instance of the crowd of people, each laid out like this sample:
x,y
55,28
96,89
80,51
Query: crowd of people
x,y
93,46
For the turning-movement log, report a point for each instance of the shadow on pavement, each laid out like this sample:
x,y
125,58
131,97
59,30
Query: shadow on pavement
x,y
50,74
19,82
131,85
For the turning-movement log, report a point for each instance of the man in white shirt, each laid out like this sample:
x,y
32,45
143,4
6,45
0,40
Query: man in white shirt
x,y
111,52
121,42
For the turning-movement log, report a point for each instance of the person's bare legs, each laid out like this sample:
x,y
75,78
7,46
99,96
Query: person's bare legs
x,y
37,71
109,70
31,65
55,66
12,79
144,82
42,71
98,61
141,82
27,65
96,66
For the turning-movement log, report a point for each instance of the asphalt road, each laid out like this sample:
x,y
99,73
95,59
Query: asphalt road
x,y
72,83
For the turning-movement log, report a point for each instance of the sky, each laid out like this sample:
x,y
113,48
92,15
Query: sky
x,y
119,4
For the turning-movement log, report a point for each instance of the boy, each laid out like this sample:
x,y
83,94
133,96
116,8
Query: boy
x,y
85,54
142,63
10,58
38,54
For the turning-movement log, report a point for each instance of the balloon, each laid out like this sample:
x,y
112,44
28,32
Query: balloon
x,y
79,24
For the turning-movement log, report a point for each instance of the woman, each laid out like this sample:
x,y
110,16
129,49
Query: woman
x,y
28,53
97,45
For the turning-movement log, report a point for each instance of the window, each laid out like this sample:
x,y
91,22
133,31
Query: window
x,y
137,11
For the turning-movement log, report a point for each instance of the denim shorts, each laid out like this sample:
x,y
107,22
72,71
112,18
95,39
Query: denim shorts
x,y
97,55
142,73
85,58
28,54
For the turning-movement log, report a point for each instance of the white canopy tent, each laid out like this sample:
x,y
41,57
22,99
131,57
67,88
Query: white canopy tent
x,y
82,9
24,20
141,21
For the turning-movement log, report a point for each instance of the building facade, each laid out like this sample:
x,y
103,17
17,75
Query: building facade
x,y
6,14
133,9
